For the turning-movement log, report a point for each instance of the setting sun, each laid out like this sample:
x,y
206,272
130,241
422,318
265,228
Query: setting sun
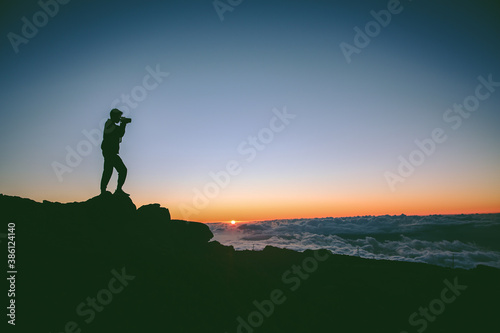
x,y
233,222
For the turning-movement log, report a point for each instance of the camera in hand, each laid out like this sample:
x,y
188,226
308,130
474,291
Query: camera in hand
x,y
125,120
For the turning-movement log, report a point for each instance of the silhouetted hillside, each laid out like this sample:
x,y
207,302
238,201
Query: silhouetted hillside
x,y
105,266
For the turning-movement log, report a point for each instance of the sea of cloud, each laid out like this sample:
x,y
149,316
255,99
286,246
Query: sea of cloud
x,y
463,241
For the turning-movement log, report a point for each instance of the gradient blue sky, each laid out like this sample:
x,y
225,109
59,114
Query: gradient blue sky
x,y
352,120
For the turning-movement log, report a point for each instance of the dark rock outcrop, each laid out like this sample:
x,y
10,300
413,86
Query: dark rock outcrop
x,y
69,256
153,212
104,223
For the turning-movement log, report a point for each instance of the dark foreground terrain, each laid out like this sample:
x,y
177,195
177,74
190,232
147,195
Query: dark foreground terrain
x,y
105,266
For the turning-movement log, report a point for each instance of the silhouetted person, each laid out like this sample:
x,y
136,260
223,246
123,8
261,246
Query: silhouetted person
x,y
112,136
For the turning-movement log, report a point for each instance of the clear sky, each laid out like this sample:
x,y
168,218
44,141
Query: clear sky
x,y
292,109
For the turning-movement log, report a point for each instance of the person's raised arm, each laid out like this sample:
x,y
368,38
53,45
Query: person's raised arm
x,y
120,129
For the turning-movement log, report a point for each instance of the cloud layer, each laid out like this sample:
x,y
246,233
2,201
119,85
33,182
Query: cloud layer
x,y
460,240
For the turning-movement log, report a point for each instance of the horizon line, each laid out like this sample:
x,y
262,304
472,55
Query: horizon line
x,y
339,217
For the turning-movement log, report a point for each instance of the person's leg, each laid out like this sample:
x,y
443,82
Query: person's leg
x,y
106,172
122,172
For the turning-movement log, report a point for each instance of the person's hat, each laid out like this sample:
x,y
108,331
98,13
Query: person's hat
x,y
115,111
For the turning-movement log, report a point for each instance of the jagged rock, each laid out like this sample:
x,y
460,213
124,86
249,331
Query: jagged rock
x,y
104,223
153,212
193,232
13,207
109,207
174,234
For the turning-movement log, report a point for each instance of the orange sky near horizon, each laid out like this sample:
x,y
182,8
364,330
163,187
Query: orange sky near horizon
x,y
229,207
251,198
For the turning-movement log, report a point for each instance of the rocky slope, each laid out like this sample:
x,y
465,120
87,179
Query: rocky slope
x,y
105,266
